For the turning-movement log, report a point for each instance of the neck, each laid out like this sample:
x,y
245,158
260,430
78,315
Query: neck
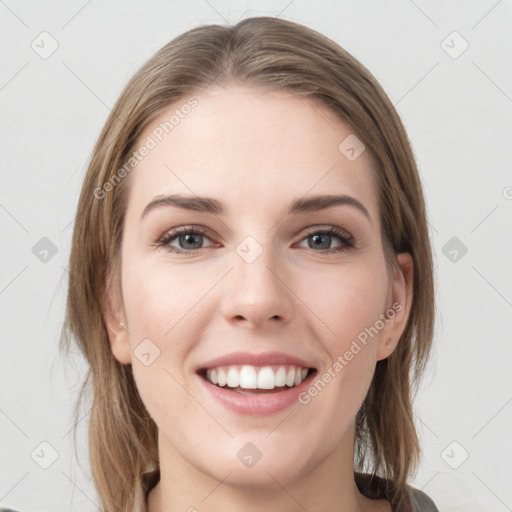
x,y
327,486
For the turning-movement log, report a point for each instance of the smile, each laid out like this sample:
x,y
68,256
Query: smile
x,y
243,378
254,390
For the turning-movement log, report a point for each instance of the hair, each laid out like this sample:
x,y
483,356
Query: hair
x,y
271,54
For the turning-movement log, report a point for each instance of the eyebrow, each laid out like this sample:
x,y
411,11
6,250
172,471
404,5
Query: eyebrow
x,y
211,205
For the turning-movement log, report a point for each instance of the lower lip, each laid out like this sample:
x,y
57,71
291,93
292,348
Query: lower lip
x,y
260,404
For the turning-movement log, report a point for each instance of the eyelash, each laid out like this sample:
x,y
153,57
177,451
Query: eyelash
x,y
347,241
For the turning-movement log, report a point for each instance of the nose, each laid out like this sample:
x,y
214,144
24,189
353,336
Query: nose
x,y
257,293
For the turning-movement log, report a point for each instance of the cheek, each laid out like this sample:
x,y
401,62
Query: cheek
x,y
161,302
162,308
348,300
164,319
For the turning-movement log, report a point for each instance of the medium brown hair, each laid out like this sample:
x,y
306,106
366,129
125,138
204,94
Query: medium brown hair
x,y
267,53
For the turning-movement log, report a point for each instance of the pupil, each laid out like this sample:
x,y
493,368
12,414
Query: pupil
x,y
318,242
190,238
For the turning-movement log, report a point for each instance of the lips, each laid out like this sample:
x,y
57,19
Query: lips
x,y
262,359
256,402
255,378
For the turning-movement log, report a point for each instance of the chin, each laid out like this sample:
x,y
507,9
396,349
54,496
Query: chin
x,y
262,465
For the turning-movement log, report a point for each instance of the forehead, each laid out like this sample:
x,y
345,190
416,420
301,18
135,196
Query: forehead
x,y
247,147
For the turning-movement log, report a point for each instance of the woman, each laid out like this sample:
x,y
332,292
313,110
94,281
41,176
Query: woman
x,y
251,282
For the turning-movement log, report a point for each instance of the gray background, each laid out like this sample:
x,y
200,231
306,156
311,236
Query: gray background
x,y
457,108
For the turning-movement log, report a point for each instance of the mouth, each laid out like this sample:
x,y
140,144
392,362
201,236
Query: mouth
x,y
256,380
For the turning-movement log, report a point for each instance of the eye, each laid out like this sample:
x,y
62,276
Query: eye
x,y
323,238
183,240
190,239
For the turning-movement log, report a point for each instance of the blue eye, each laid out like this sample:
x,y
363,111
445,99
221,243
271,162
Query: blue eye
x,y
322,239
190,240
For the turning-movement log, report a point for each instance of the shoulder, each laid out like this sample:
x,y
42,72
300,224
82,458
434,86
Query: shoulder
x,y
411,500
421,502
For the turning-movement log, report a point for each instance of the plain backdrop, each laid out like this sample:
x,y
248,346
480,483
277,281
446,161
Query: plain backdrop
x,y
445,65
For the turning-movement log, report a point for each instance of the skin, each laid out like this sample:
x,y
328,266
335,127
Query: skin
x,y
255,152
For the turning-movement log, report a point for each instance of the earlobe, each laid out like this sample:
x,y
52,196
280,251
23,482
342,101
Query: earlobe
x,y
401,290
115,323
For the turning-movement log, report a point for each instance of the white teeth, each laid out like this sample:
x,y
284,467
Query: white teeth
x,y
233,377
290,377
248,377
222,377
255,377
266,378
281,376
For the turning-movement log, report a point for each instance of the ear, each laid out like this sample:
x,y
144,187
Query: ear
x,y
399,306
115,321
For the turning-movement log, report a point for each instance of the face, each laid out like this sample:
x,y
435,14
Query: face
x,y
262,287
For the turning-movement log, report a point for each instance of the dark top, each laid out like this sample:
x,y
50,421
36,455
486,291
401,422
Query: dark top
x,y
413,501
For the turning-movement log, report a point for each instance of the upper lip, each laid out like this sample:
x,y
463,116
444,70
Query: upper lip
x,y
261,359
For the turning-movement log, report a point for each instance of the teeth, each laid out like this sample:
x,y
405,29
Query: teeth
x,y
290,377
281,376
248,377
255,377
266,378
222,377
233,377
